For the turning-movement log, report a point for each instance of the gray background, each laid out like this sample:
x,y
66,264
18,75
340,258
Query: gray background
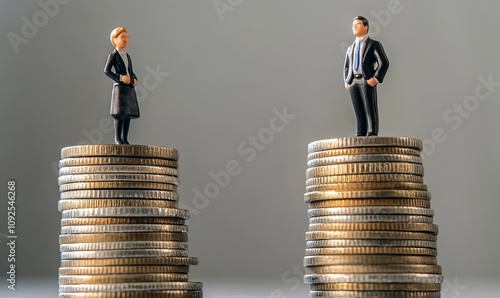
x,y
226,73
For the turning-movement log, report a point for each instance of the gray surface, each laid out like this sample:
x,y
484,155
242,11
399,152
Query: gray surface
x,y
225,78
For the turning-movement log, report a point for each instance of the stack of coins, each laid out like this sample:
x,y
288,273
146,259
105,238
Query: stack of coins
x,y
122,233
371,231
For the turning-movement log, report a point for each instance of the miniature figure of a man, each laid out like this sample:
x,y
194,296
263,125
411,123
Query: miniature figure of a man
x,y
365,67
118,67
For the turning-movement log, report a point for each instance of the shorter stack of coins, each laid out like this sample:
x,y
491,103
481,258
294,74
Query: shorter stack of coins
x,y
371,231
122,233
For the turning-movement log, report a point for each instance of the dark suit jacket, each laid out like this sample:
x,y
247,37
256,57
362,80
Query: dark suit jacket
x,y
374,62
124,99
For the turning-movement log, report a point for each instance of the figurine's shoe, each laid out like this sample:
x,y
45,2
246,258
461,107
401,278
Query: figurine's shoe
x,y
371,134
125,142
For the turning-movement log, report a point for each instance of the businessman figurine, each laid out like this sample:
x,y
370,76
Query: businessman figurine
x,y
364,68
118,67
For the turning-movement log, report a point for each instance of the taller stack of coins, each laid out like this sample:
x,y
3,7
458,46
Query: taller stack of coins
x,y
122,233
371,231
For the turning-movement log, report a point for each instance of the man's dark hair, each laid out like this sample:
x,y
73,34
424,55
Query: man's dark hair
x,y
364,20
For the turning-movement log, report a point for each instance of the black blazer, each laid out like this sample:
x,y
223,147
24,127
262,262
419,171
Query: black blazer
x,y
374,62
116,61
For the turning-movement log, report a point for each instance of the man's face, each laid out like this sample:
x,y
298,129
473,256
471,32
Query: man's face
x,y
121,40
358,29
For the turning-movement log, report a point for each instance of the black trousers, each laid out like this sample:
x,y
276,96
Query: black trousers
x,y
364,104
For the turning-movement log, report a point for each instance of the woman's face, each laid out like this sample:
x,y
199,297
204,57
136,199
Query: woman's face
x,y
121,41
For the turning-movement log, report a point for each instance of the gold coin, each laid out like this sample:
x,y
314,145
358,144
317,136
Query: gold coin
x,y
111,237
363,150
157,261
86,161
112,270
375,294
118,185
325,235
102,203
363,158
375,226
137,294
350,142
370,202
119,169
367,250
366,168
375,287
120,150
121,220
358,178
121,278
368,260
389,268
367,186
115,177
388,193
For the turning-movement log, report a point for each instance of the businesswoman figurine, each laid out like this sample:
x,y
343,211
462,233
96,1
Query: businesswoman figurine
x,y
124,104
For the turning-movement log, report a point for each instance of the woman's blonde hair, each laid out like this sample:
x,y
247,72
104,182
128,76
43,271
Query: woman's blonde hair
x,y
115,33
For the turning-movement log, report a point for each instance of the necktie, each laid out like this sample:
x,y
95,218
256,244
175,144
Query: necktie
x,y
356,56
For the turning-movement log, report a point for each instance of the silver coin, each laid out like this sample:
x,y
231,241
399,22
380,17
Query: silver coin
x,y
123,228
363,158
370,218
332,195
123,245
125,212
115,177
414,278
370,210
120,194
127,287
126,169
370,242
127,253
373,294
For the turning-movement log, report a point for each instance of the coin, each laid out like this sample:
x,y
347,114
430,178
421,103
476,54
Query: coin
x,y
119,185
120,194
387,193
126,228
349,142
123,245
375,226
389,268
371,243
120,150
114,177
127,237
374,278
370,210
122,278
373,294
367,186
375,287
363,158
86,161
112,270
104,203
370,218
125,169
359,178
130,262
122,220
366,250
137,294
363,151
365,168
368,260
143,286
380,202
128,253
328,235
126,212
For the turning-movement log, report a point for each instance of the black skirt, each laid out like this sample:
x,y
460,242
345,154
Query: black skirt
x,y
124,102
